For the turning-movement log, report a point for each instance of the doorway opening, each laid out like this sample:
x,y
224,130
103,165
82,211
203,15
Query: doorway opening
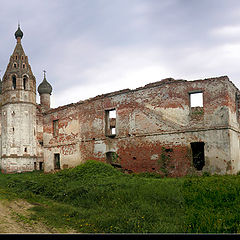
x,y
198,155
56,161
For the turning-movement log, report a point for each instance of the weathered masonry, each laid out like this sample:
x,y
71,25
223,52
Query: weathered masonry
x,y
156,128
153,128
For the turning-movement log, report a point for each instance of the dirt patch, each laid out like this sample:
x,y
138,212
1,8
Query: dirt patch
x,y
15,218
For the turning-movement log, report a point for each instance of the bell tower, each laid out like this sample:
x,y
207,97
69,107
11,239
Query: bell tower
x,y
18,112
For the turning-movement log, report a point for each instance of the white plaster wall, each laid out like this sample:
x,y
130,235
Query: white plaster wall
x,y
17,164
234,150
19,131
66,160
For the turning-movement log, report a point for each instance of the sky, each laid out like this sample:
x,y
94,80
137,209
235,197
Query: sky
x,y
92,47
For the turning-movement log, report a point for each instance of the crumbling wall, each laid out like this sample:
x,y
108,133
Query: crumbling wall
x,y
64,141
155,126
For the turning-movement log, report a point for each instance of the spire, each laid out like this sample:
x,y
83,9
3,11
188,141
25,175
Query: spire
x,y
18,62
18,35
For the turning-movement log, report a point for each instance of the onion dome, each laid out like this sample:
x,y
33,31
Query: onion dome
x,y
44,86
18,33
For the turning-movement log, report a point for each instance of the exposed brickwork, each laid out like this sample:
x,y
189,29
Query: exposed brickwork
x,y
154,129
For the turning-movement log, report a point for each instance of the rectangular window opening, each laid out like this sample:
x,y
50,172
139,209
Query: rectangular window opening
x,y
56,161
110,122
198,155
113,130
55,128
112,113
196,99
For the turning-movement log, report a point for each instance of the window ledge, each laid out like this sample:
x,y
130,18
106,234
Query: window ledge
x,y
111,135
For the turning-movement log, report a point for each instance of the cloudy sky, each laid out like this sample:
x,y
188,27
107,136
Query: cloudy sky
x,y
91,47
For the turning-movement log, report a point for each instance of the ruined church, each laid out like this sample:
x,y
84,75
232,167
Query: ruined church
x,y
155,128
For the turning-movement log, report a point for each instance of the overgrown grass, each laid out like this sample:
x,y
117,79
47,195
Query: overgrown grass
x,y
212,204
95,197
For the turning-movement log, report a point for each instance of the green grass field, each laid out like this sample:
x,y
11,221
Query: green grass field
x,y
96,198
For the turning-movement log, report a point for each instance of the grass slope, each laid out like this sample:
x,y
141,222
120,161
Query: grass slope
x,y
95,197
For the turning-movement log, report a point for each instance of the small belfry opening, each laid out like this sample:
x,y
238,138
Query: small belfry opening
x,y
198,155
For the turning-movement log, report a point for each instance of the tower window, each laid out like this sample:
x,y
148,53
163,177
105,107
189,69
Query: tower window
x,y
14,82
15,65
16,57
24,82
23,65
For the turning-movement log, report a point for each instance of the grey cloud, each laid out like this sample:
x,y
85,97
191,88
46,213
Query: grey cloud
x,y
119,44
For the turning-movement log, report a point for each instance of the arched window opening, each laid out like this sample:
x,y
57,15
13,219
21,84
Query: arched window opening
x,y
25,82
113,159
14,82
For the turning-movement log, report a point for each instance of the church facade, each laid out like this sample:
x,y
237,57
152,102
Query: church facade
x,y
155,128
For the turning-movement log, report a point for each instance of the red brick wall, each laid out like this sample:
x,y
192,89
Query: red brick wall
x,y
145,118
